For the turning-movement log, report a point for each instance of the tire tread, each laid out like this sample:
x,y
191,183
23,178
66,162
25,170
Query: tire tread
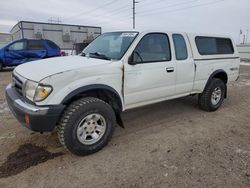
x,y
74,106
204,100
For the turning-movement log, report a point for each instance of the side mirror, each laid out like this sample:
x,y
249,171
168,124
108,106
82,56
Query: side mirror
x,y
7,49
131,60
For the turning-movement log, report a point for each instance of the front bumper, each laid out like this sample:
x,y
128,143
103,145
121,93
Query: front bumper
x,y
36,118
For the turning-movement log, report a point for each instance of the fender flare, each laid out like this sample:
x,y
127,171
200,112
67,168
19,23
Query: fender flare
x,y
93,87
213,75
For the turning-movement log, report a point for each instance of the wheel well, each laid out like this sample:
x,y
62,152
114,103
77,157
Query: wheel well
x,y
106,95
222,76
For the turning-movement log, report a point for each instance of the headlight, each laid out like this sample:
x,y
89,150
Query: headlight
x,y
30,89
42,92
36,92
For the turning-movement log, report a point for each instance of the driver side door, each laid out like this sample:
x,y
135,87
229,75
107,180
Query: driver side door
x,y
152,75
16,53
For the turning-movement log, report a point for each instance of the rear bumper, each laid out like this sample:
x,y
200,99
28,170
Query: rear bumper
x,y
36,118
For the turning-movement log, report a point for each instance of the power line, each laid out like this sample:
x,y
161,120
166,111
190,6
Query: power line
x,y
112,13
173,5
101,21
92,10
115,11
155,2
184,8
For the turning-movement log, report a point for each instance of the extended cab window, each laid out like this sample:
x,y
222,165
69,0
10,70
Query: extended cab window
x,y
153,47
180,47
35,45
214,46
21,45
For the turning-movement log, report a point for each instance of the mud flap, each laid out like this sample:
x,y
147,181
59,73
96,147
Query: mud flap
x,y
119,120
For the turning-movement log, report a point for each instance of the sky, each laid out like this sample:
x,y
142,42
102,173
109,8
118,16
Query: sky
x,y
199,16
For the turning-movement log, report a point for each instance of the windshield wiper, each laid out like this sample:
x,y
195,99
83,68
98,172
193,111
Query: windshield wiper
x,y
99,55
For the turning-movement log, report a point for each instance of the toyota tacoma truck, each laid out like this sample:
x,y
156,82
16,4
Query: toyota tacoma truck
x,y
82,97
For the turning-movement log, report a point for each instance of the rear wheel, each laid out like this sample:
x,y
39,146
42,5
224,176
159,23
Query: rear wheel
x,y
213,95
86,126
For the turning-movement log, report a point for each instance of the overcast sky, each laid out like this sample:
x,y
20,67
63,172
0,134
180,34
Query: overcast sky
x,y
205,16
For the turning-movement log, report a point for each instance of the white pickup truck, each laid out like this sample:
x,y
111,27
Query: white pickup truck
x,y
83,96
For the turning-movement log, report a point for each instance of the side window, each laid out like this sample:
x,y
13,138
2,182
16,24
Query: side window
x,y
153,47
35,45
18,46
214,46
180,47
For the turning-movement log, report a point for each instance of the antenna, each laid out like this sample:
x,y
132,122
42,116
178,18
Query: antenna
x,y
54,20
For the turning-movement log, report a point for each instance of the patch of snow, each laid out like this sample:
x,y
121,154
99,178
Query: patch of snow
x,y
245,63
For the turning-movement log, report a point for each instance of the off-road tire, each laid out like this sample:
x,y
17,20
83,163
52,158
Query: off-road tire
x,y
71,117
204,99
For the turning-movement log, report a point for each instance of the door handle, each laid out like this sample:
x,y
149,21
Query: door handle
x,y
170,69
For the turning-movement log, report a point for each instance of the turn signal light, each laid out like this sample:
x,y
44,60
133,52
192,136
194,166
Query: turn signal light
x,y
27,119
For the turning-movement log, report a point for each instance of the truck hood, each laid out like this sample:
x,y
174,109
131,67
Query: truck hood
x,y
38,70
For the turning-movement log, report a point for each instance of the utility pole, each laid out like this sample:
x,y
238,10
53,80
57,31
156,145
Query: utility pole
x,y
240,36
134,2
247,37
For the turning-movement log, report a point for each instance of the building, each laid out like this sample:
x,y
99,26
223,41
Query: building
x,y
244,51
5,38
64,35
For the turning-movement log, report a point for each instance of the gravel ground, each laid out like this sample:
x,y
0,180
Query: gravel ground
x,y
170,144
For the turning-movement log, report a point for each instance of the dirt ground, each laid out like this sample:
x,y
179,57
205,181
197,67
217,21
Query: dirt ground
x,y
170,144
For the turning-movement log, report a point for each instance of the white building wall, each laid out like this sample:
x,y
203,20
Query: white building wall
x,y
5,38
63,35
244,51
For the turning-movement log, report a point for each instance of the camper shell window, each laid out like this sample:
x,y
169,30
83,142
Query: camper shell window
x,y
214,45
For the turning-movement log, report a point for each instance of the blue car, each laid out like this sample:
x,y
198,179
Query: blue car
x,y
26,50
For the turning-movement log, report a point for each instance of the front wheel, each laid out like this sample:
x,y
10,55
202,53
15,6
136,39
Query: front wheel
x,y
213,95
86,126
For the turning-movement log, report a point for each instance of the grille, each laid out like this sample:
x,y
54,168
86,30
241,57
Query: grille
x,y
17,83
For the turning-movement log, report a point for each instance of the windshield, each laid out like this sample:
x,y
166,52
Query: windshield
x,y
110,45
